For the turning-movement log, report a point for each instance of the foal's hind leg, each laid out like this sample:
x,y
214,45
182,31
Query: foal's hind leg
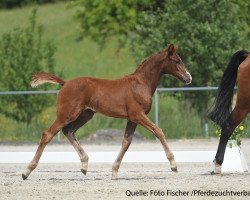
x,y
46,138
238,114
142,119
69,132
128,135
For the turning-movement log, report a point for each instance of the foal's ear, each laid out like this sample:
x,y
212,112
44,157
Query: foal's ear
x,y
171,49
176,47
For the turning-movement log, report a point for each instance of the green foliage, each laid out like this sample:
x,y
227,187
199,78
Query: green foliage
x,y
239,132
102,20
22,52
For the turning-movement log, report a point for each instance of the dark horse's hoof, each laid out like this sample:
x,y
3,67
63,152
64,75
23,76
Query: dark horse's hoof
x,y
84,171
174,169
24,177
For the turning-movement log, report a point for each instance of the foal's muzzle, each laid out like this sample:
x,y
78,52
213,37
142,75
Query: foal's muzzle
x,y
187,78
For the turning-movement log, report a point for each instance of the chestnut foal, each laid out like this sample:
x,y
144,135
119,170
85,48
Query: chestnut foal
x,y
129,97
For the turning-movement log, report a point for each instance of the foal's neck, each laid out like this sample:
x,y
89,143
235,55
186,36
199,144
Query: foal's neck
x,y
150,71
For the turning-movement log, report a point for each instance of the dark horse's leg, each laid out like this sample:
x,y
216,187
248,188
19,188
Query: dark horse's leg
x,y
237,115
69,132
128,135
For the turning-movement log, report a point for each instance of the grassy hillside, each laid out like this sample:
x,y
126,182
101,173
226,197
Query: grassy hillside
x,y
73,57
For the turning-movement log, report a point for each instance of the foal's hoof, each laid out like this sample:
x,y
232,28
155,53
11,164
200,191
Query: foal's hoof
x,y
174,169
24,176
84,171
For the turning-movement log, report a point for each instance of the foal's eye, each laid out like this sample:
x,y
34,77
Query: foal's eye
x,y
176,61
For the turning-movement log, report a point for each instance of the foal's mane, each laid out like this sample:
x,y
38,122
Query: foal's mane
x,y
141,65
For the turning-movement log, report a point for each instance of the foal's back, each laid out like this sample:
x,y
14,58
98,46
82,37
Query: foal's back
x,y
108,97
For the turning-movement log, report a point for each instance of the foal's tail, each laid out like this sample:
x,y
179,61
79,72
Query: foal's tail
x,y
44,77
223,101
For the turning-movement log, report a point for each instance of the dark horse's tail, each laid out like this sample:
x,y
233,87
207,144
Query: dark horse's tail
x,y
223,101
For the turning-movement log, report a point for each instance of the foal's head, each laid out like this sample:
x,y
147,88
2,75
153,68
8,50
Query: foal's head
x,y
173,65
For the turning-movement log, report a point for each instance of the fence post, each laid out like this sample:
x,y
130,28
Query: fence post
x,y
206,129
59,136
156,108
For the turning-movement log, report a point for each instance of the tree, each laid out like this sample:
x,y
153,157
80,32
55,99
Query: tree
x,y
207,31
22,52
102,20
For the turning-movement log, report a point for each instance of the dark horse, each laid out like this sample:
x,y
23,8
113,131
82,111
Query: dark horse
x,y
222,114
129,97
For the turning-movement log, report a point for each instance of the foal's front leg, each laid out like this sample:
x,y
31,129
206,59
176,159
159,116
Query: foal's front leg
x,y
143,120
128,135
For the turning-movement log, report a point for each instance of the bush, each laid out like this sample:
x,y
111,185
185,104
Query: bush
x,y
22,52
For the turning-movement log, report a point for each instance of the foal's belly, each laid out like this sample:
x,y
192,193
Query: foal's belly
x,y
112,105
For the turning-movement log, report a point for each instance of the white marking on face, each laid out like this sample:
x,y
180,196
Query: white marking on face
x,y
190,77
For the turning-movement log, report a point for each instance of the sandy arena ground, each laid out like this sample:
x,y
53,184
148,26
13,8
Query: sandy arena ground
x,y
65,181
